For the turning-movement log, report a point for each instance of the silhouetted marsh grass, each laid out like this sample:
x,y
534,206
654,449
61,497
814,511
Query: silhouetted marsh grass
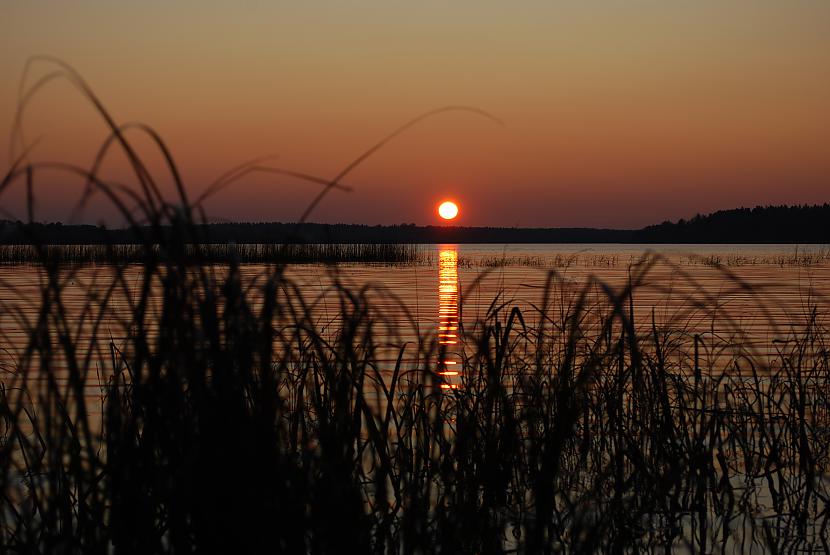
x,y
558,261
207,253
797,258
234,420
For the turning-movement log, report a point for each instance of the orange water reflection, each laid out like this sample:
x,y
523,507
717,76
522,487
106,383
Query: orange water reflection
x,y
449,341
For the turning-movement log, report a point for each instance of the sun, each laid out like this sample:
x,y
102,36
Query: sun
x,y
448,210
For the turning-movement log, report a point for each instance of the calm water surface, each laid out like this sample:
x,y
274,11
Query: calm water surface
x,y
754,295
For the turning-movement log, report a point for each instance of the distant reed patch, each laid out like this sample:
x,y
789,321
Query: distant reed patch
x,y
796,258
560,261
291,253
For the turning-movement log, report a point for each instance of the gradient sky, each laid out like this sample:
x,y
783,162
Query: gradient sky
x,y
617,113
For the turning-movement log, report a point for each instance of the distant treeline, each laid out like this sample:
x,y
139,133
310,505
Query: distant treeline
x,y
762,224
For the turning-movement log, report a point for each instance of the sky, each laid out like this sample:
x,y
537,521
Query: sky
x,y
615,113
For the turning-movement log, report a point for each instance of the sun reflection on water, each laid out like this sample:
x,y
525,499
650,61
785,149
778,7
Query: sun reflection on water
x,y
448,329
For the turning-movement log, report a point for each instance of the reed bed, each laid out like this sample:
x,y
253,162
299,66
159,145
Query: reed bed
x,y
558,261
206,253
218,415
797,258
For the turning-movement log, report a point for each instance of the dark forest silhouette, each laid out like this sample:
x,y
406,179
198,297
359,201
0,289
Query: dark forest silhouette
x,y
762,224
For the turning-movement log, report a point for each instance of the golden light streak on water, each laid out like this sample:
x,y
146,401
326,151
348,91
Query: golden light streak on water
x,y
448,326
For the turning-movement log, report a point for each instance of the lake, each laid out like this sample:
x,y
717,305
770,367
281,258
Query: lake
x,y
752,296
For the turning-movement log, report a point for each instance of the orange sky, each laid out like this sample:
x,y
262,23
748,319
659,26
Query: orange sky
x,y
618,114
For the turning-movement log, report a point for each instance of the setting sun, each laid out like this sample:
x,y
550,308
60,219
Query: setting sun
x,y
448,210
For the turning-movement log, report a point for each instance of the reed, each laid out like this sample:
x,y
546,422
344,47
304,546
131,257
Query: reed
x,y
797,258
290,253
229,427
558,261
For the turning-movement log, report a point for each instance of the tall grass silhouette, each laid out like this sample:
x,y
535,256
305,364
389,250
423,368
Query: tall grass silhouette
x,y
213,413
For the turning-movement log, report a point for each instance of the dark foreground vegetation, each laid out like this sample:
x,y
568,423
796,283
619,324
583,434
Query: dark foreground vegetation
x,y
213,414
763,224
216,416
